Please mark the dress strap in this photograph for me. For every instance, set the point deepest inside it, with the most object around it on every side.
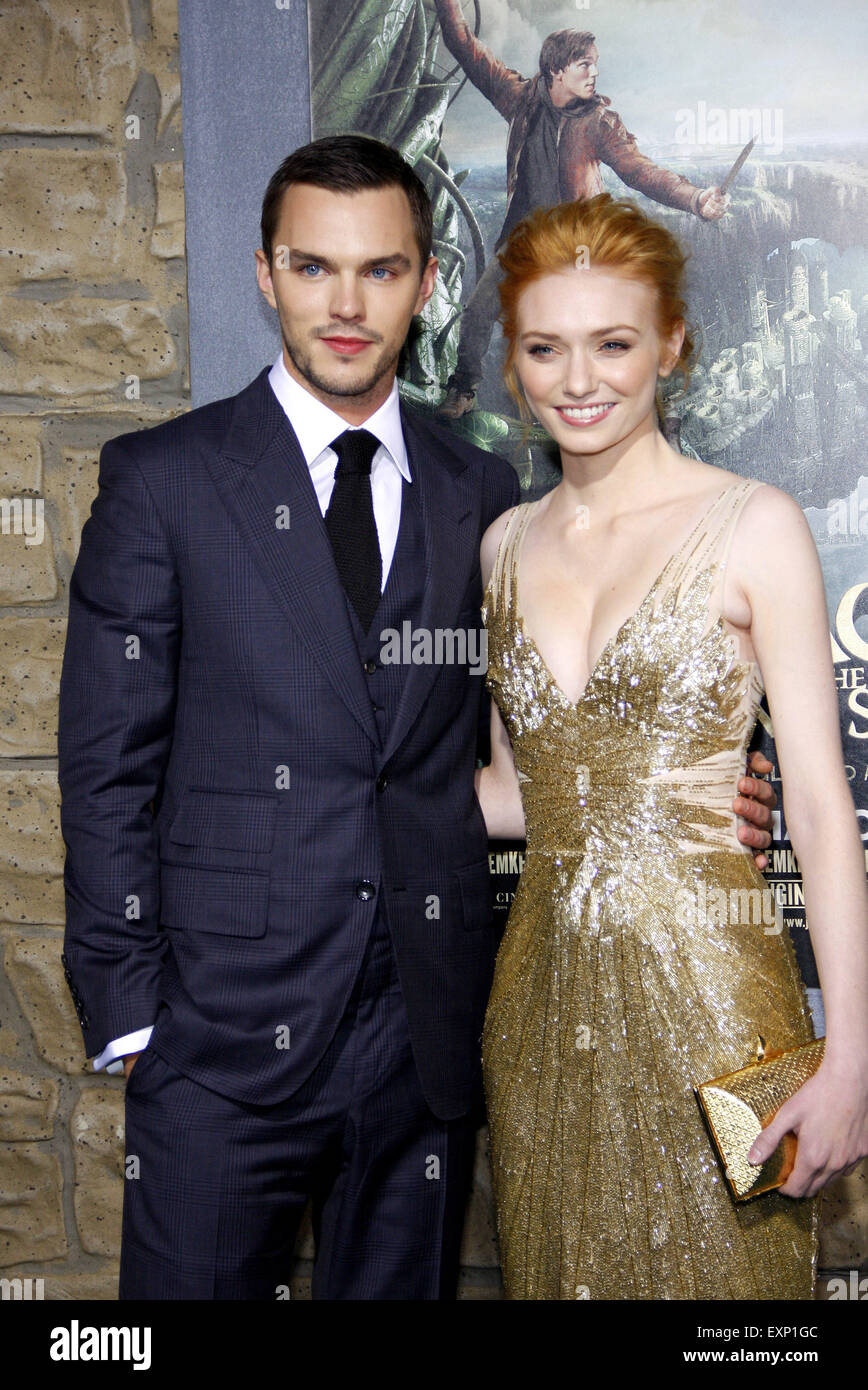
(501, 586)
(709, 544)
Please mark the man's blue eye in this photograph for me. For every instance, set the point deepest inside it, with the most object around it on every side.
(381, 270)
(306, 268)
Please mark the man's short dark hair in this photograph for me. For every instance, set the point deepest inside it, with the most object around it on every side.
(348, 164)
(561, 48)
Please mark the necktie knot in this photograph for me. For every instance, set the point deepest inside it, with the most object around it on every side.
(355, 450)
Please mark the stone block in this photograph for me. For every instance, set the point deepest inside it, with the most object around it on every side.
(28, 1105)
(80, 347)
(35, 973)
(31, 848)
(74, 1288)
(60, 215)
(31, 654)
(31, 1215)
(11, 1043)
(167, 238)
(97, 1130)
(27, 566)
(65, 69)
(162, 59)
(20, 455)
(73, 491)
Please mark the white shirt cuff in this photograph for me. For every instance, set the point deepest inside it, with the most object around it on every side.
(121, 1047)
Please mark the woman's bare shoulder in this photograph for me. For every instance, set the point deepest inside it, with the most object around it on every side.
(770, 506)
(772, 541)
(766, 505)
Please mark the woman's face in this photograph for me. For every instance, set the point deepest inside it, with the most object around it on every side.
(589, 355)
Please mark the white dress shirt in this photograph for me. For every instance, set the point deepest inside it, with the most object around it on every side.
(316, 425)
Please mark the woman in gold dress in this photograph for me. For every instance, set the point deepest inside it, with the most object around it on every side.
(635, 615)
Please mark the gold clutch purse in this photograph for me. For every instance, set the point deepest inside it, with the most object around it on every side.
(737, 1106)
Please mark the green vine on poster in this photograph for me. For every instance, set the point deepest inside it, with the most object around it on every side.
(382, 71)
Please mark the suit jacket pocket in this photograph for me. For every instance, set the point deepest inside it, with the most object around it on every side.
(226, 902)
(136, 1075)
(236, 820)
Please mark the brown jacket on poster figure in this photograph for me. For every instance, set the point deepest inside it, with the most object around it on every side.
(590, 134)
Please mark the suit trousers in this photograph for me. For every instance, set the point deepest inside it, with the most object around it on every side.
(213, 1202)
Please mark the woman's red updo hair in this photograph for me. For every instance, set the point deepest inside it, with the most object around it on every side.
(603, 233)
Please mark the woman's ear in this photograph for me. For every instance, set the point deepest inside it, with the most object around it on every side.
(671, 344)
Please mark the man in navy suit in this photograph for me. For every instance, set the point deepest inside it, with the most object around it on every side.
(277, 887)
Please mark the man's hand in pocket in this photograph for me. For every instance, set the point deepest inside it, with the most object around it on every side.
(129, 1063)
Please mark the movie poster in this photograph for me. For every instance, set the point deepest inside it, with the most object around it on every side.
(672, 94)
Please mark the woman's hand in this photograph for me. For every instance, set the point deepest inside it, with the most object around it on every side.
(829, 1116)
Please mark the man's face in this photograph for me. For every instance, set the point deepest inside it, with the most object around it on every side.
(579, 78)
(345, 280)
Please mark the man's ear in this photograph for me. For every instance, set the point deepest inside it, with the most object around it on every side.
(426, 288)
(263, 277)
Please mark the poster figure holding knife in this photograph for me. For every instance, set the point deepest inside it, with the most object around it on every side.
(560, 131)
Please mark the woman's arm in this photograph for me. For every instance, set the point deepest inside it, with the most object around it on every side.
(776, 565)
(497, 786)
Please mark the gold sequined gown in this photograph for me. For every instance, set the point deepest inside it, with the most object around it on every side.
(620, 982)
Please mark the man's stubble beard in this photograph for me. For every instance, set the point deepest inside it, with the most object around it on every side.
(304, 366)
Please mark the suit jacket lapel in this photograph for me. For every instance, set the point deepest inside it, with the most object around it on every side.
(449, 558)
(262, 476)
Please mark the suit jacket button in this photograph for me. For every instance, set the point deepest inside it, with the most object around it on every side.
(382, 782)
(365, 890)
(370, 667)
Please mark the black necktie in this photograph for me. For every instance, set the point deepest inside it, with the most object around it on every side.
(350, 523)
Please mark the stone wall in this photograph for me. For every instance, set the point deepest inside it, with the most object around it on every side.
(93, 342)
